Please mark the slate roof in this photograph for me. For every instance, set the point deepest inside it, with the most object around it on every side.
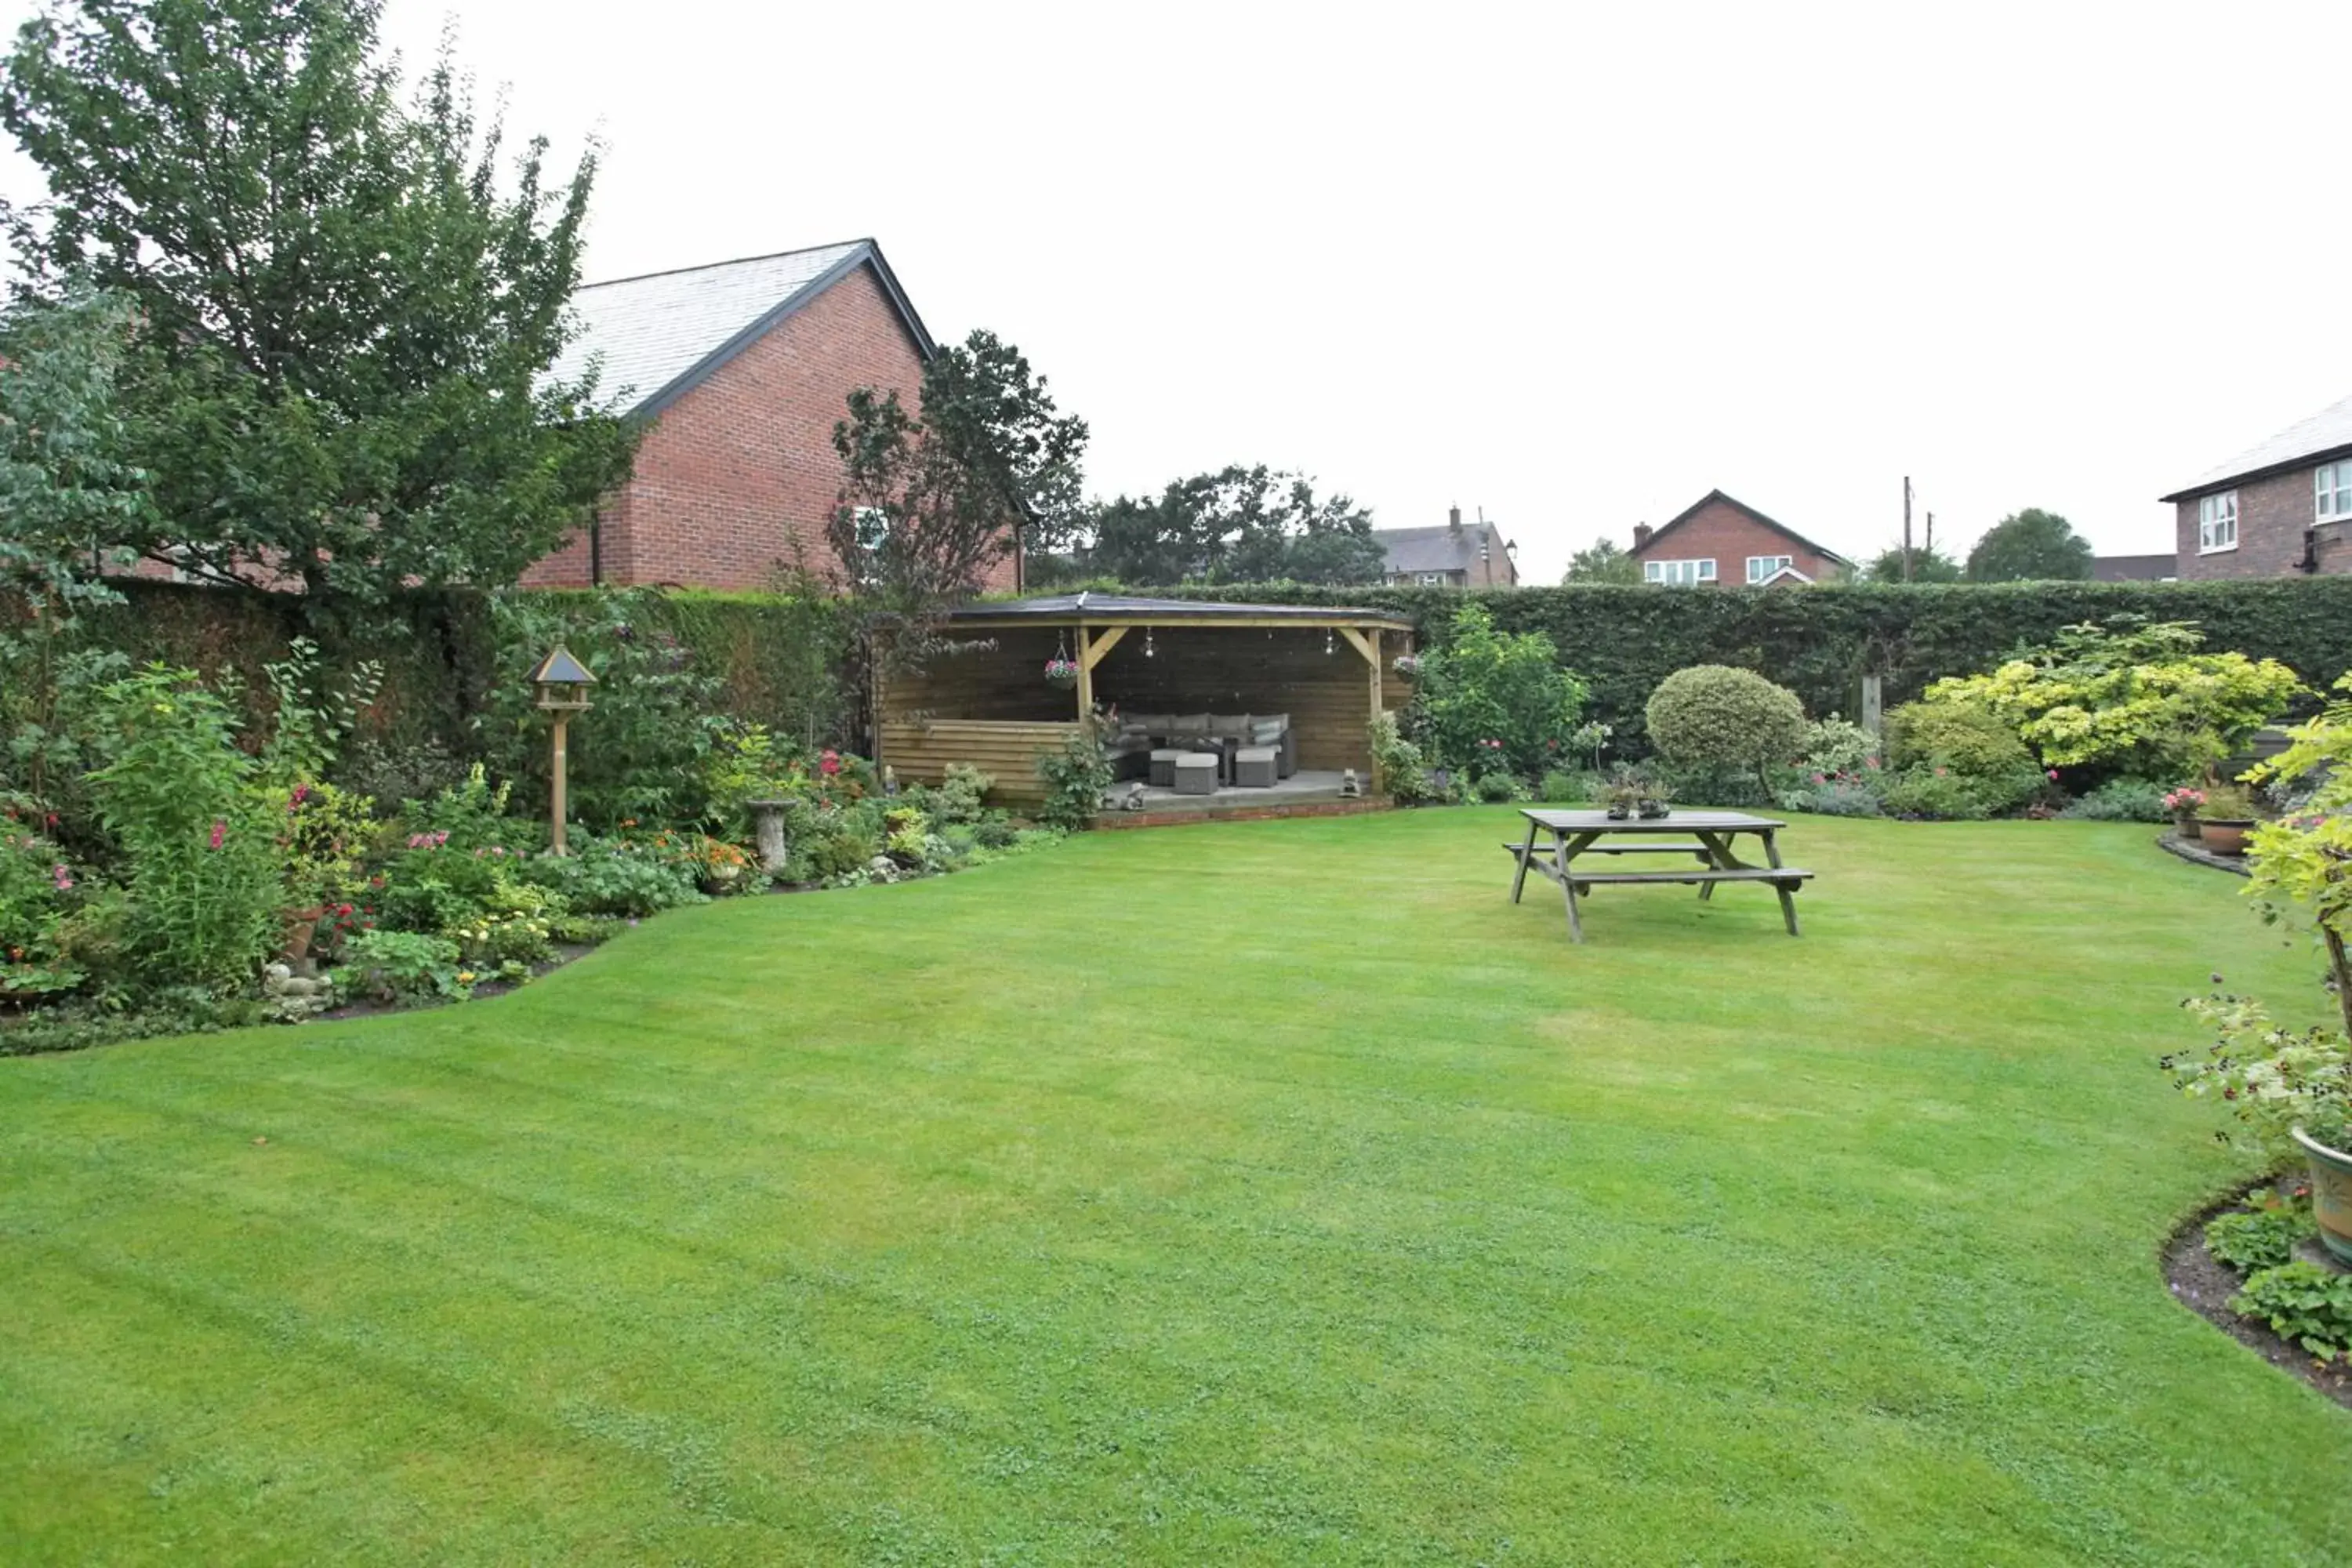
(1445, 548)
(1090, 605)
(2326, 433)
(2133, 568)
(1649, 546)
(660, 335)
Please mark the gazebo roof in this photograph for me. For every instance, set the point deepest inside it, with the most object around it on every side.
(1125, 610)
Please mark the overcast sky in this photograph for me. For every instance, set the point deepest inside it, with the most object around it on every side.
(1572, 265)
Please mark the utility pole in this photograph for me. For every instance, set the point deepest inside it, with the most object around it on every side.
(1906, 528)
(1929, 548)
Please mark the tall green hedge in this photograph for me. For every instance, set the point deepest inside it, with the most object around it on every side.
(780, 658)
(1820, 641)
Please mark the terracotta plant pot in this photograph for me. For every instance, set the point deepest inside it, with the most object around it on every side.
(2226, 837)
(301, 924)
(2331, 1193)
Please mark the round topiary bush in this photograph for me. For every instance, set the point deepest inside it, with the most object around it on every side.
(1712, 715)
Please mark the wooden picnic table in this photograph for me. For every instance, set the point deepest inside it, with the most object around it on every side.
(1706, 837)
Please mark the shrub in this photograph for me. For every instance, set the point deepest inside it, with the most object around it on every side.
(1490, 701)
(961, 794)
(1076, 776)
(1399, 770)
(1837, 794)
(1833, 746)
(2303, 1303)
(402, 967)
(1948, 793)
(2273, 1079)
(2122, 800)
(1964, 736)
(2132, 695)
(1715, 784)
(994, 833)
(198, 840)
(1496, 788)
(614, 877)
(1564, 787)
(1712, 715)
(2251, 1240)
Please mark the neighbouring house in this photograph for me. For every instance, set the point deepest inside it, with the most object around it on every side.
(738, 371)
(1720, 539)
(2282, 507)
(1452, 556)
(2134, 568)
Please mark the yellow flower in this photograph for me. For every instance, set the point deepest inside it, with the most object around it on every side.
(464, 977)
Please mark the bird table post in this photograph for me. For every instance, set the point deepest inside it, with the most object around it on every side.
(562, 682)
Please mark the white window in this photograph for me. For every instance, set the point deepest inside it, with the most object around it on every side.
(1431, 579)
(1760, 567)
(2331, 486)
(1679, 573)
(2217, 522)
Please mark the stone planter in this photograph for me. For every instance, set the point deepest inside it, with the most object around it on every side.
(2184, 823)
(2331, 1194)
(2226, 837)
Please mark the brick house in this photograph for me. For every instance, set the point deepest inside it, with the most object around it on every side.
(738, 371)
(2283, 506)
(1718, 539)
(1454, 556)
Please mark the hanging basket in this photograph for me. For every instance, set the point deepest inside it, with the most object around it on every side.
(1062, 674)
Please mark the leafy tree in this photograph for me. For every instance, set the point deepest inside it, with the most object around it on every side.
(1927, 565)
(1236, 525)
(1603, 562)
(348, 318)
(2031, 546)
(1714, 715)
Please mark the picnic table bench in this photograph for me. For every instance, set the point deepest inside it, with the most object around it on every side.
(1707, 837)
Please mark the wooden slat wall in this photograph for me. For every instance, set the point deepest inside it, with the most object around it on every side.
(1250, 669)
(1006, 681)
(921, 753)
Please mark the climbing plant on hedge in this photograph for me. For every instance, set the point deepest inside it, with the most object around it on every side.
(1712, 715)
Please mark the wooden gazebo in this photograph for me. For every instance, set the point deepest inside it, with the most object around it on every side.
(990, 705)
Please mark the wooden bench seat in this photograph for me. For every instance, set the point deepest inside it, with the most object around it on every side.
(1698, 849)
(1744, 874)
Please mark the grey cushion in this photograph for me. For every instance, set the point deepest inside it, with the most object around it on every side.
(1267, 732)
(1228, 723)
(1188, 724)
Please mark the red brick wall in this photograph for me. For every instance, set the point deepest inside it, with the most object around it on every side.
(731, 476)
(1730, 536)
(2271, 515)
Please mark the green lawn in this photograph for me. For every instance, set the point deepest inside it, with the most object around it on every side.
(1266, 1193)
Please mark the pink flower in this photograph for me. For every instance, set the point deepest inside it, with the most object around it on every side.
(1819, 779)
(62, 876)
(220, 831)
(2054, 773)
(1942, 772)
(829, 763)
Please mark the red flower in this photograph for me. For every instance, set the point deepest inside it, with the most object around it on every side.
(829, 763)
(220, 831)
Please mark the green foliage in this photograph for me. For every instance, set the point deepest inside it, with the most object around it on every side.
(198, 842)
(65, 475)
(2132, 696)
(349, 316)
(1835, 745)
(613, 877)
(1398, 769)
(83, 1023)
(1563, 786)
(2121, 800)
(2307, 1304)
(2032, 545)
(1604, 562)
(1944, 793)
(328, 834)
(1622, 641)
(1076, 776)
(36, 888)
(1927, 565)
(1964, 736)
(2273, 1079)
(403, 968)
(1712, 715)
(1837, 794)
(1494, 789)
(640, 752)
(1238, 524)
(2249, 1240)
(1490, 701)
(962, 793)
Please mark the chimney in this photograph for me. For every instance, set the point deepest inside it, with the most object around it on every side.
(1454, 519)
(1640, 534)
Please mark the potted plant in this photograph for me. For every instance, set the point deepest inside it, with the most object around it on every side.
(1654, 804)
(1628, 788)
(1061, 672)
(2292, 1091)
(2224, 818)
(2184, 803)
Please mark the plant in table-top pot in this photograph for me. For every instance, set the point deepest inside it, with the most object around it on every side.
(2184, 803)
(2225, 818)
(1628, 787)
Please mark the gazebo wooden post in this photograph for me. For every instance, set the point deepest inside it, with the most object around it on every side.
(1085, 675)
(1369, 645)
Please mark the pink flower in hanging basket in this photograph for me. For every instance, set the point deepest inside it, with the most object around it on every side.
(1060, 671)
